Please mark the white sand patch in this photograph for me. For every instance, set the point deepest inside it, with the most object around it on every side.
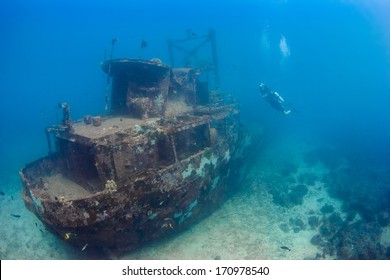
(26, 237)
(248, 226)
(385, 237)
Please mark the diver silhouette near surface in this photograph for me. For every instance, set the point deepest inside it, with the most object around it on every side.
(275, 100)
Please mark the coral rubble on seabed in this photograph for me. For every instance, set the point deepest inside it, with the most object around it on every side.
(270, 213)
(252, 224)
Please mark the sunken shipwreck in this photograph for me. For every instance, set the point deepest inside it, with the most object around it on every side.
(168, 153)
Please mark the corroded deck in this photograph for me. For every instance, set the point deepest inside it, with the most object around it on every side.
(165, 157)
(110, 125)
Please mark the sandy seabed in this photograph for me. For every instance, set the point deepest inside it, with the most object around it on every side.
(248, 226)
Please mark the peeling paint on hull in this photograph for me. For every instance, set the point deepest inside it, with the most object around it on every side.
(133, 179)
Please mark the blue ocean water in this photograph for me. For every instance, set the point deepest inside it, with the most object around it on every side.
(330, 59)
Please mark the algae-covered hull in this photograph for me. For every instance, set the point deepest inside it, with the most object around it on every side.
(167, 156)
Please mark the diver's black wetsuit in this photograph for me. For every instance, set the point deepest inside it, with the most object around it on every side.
(274, 99)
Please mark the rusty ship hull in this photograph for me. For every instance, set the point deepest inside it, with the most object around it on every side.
(168, 156)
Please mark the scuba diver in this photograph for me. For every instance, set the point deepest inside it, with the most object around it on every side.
(274, 99)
